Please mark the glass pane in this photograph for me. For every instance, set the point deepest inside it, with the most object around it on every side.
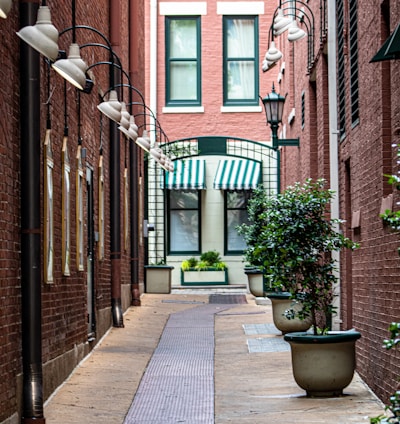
(237, 199)
(235, 218)
(184, 199)
(240, 38)
(183, 39)
(241, 80)
(183, 84)
(184, 231)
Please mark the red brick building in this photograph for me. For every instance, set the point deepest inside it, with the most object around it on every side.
(69, 267)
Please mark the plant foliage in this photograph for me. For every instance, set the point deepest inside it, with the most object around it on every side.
(291, 238)
(208, 260)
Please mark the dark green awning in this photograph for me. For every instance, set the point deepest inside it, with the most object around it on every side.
(390, 48)
(188, 174)
(237, 174)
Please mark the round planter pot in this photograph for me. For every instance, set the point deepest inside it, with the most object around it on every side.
(323, 365)
(256, 282)
(280, 303)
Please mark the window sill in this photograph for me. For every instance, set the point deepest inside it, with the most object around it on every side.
(241, 109)
(183, 109)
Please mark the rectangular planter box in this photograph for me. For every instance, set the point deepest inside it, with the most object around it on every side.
(158, 278)
(204, 278)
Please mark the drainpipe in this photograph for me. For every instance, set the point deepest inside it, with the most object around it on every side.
(333, 142)
(134, 167)
(115, 185)
(31, 311)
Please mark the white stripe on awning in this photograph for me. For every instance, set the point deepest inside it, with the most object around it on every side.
(237, 175)
(188, 174)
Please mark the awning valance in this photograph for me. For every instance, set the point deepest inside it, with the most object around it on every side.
(188, 174)
(238, 174)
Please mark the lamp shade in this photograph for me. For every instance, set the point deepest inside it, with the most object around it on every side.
(124, 122)
(143, 141)
(112, 107)
(133, 129)
(5, 6)
(273, 54)
(73, 69)
(267, 64)
(295, 33)
(273, 105)
(43, 36)
(156, 152)
(281, 23)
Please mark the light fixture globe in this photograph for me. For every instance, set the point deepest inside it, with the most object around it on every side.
(112, 107)
(295, 33)
(5, 7)
(143, 141)
(273, 54)
(73, 69)
(273, 105)
(43, 36)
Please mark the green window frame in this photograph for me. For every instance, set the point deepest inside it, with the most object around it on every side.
(235, 214)
(240, 61)
(183, 61)
(184, 221)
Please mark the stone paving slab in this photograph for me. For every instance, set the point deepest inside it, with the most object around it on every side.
(249, 388)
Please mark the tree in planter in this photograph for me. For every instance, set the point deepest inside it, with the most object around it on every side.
(292, 241)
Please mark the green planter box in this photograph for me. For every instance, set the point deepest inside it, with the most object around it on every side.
(207, 277)
(158, 278)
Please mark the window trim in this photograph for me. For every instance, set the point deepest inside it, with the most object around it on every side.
(240, 102)
(168, 61)
(169, 209)
(226, 250)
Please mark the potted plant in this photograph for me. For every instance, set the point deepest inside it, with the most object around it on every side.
(158, 277)
(265, 261)
(298, 239)
(208, 270)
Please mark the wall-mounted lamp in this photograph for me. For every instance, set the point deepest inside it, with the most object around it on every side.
(285, 19)
(43, 36)
(5, 6)
(111, 107)
(73, 69)
(273, 105)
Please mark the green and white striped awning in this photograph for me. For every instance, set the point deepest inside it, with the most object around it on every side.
(238, 174)
(188, 174)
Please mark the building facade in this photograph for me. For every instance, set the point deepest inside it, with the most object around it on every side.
(70, 242)
(342, 107)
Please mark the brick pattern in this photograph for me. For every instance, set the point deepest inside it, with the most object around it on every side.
(64, 303)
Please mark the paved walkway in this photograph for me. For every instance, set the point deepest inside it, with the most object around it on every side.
(190, 357)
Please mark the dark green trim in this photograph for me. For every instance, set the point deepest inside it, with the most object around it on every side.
(279, 295)
(333, 337)
(254, 59)
(169, 61)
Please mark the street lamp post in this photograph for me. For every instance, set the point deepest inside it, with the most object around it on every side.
(273, 105)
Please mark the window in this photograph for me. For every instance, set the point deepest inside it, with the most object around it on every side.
(341, 69)
(236, 214)
(183, 61)
(240, 68)
(184, 221)
(353, 44)
(303, 109)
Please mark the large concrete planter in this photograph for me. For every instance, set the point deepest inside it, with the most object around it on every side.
(323, 365)
(280, 303)
(255, 280)
(158, 278)
(205, 277)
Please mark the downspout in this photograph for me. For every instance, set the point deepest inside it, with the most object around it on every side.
(134, 167)
(333, 143)
(153, 56)
(31, 309)
(115, 183)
